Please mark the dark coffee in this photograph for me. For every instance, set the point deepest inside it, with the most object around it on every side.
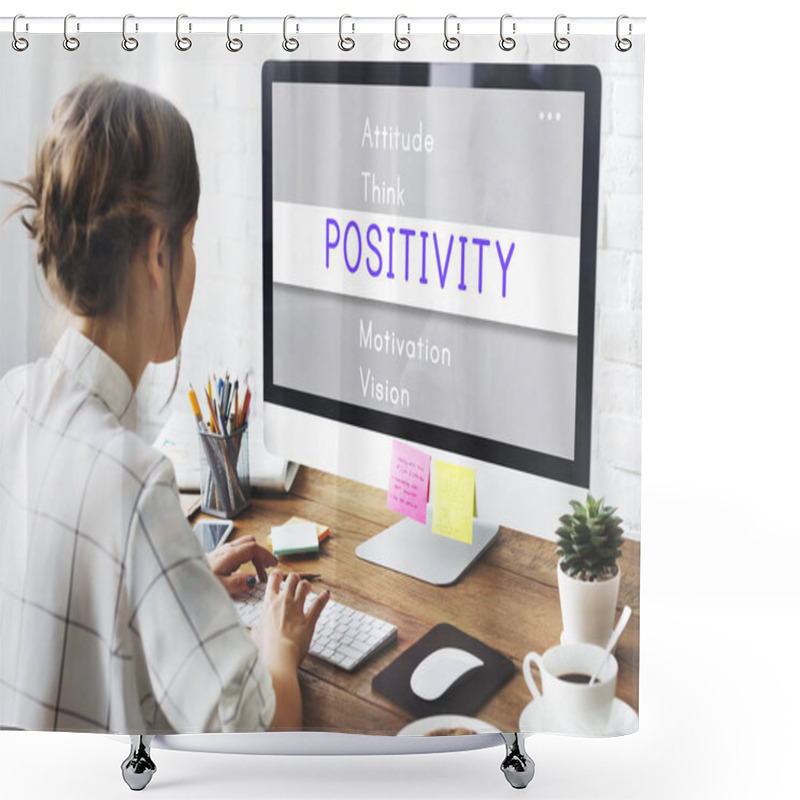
(575, 677)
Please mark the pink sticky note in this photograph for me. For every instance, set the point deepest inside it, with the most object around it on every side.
(409, 478)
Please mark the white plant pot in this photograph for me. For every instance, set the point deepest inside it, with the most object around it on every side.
(587, 607)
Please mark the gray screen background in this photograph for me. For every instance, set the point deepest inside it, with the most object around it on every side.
(522, 172)
(506, 383)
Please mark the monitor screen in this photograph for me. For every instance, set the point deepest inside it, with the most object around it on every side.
(429, 254)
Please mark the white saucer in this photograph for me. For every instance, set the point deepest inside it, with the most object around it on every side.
(622, 721)
(422, 727)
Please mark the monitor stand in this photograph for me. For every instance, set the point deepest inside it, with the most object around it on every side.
(414, 549)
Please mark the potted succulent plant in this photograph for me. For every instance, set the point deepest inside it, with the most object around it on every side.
(589, 542)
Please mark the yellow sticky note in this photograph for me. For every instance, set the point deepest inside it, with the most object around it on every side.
(453, 501)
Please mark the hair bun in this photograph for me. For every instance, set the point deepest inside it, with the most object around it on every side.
(117, 160)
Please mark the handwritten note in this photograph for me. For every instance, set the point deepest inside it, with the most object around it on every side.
(453, 501)
(409, 478)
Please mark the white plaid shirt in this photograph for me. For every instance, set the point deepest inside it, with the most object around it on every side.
(110, 618)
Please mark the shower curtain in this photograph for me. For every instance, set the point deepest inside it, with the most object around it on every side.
(422, 246)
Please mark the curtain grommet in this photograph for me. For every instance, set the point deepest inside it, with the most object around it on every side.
(183, 43)
(129, 43)
(233, 44)
(561, 43)
(451, 43)
(19, 43)
(401, 43)
(507, 43)
(289, 44)
(346, 43)
(623, 44)
(71, 43)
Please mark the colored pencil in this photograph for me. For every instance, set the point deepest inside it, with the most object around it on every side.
(246, 406)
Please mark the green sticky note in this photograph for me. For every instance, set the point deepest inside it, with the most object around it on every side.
(453, 501)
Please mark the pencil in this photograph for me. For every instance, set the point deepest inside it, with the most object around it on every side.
(220, 418)
(246, 406)
(223, 406)
(210, 408)
(196, 408)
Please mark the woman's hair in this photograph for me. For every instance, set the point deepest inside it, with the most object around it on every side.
(117, 161)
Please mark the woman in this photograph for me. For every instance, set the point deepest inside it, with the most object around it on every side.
(111, 616)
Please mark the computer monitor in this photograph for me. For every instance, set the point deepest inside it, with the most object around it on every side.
(430, 235)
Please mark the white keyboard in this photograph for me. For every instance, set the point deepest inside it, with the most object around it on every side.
(343, 637)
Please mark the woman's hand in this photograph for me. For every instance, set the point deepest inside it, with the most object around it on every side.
(282, 636)
(285, 630)
(227, 558)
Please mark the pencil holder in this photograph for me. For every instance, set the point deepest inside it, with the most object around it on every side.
(225, 473)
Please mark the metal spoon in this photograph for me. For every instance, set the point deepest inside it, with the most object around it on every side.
(623, 621)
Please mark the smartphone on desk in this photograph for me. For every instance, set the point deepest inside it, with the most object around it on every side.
(211, 533)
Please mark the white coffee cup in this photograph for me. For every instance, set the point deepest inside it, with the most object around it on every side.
(573, 707)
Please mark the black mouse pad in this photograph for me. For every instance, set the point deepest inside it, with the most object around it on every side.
(466, 696)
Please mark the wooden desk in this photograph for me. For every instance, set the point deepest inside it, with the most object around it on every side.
(509, 600)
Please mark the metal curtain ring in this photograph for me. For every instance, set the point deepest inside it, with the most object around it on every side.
(507, 42)
(623, 45)
(233, 44)
(71, 43)
(401, 42)
(346, 43)
(290, 44)
(561, 43)
(18, 42)
(451, 42)
(183, 43)
(129, 43)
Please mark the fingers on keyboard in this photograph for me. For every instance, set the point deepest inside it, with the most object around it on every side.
(343, 636)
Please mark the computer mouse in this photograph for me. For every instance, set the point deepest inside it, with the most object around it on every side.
(437, 672)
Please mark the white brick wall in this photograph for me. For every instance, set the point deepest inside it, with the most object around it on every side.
(617, 427)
